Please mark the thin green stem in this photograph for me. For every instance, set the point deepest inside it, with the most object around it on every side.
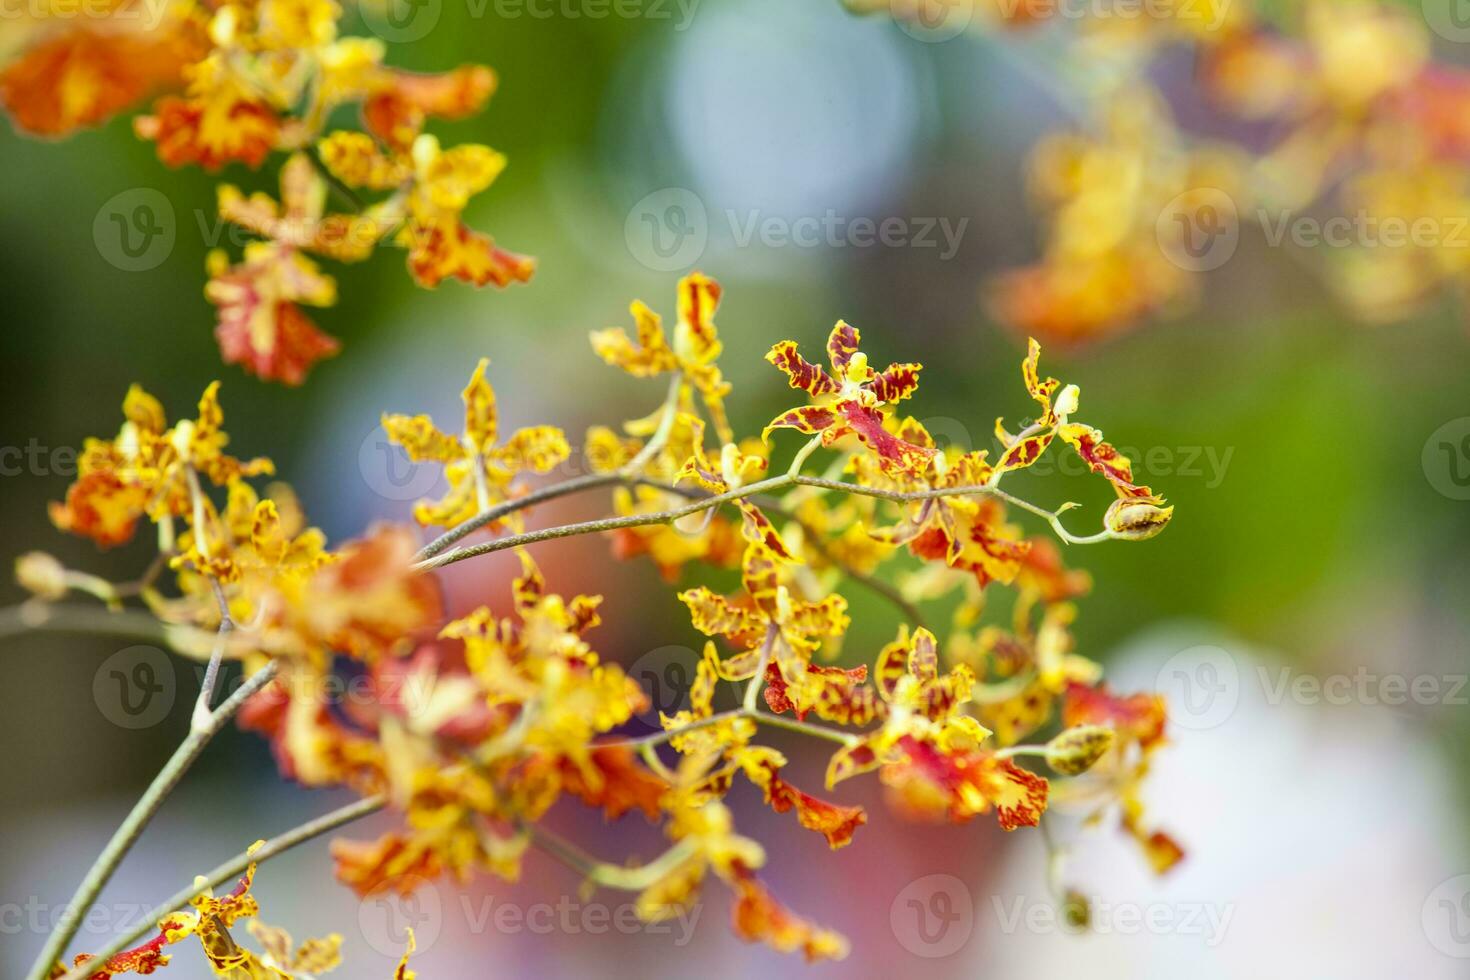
(229, 870)
(598, 526)
(348, 195)
(649, 753)
(1015, 750)
(804, 728)
(37, 616)
(660, 437)
(759, 717)
(137, 819)
(998, 691)
(659, 738)
(607, 875)
(563, 489)
(812, 445)
(761, 487)
(753, 689)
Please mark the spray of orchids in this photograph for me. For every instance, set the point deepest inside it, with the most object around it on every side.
(478, 725)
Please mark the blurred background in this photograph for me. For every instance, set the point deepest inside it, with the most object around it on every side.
(1320, 530)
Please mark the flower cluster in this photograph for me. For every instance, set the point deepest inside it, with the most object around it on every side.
(1335, 108)
(237, 81)
(475, 725)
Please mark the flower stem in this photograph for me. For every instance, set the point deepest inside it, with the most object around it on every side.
(233, 868)
(764, 486)
(606, 875)
(37, 616)
(137, 819)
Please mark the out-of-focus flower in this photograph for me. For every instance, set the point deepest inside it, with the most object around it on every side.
(148, 469)
(692, 354)
(479, 468)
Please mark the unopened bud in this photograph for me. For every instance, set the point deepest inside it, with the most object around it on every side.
(1137, 518)
(1076, 910)
(1076, 750)
(41, 574)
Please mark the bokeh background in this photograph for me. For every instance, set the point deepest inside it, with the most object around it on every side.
(1321, 530)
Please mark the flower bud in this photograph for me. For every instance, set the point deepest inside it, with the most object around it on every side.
(41, 574)
(1137, 518)
(1076, 910)
(1075, 750)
